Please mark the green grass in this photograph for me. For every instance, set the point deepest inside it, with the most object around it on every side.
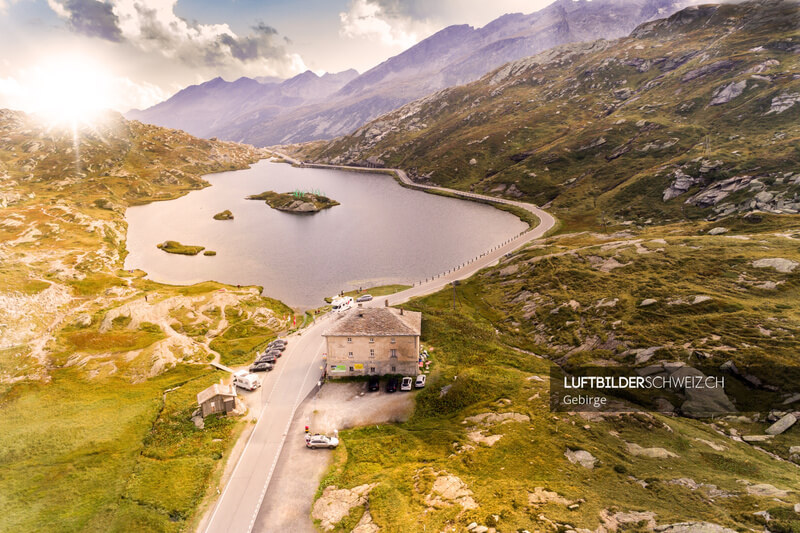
(174, 247)
(239, 343)
(106, 455)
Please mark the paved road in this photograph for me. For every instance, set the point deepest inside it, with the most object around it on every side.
(298, 371)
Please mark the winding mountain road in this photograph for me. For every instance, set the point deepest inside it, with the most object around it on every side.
(299, 370)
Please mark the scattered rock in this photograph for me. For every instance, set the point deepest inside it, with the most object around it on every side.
(693, 527)
(335, 504)
(473, 161)
(781, 425)
(765, 489)
(448, 490)
(726, 93)
(541, 496)
(488, 419)
(479, 437)
(778, 263)
(581, 457)
(783, 102)
(648, 301)
(717, 231)
(756, 438)
(366, 525)
(653, 453)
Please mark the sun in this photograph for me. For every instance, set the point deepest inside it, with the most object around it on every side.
(69, 90)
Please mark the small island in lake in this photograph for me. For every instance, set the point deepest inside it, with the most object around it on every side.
(224, 215)
(295, 202)
(174, 247)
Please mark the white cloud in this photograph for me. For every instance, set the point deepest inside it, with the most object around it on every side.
(365, 18)
(153, 27)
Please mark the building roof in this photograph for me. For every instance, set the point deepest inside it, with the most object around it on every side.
(375, 322)
(216, 389)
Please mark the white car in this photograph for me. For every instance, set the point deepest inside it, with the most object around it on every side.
(406, 384)
(321, 441)
(420, 381)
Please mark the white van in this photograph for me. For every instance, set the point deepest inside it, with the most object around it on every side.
(341, 304)
(245, 380)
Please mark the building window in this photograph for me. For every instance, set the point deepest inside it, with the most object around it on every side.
(372, 370)
(352, 369)
(372, 353)
(349, 339)
(394, 369)
(350, 355)
(372, 339)
(393, 353)
(392, 340)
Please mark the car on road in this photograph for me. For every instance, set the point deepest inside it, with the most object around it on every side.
(391, 385)
(420, 381)
(374, 383)
(407, 384)
(364, 298)
(272, 351)
(321, 441)
(278, 344)
(262, 367)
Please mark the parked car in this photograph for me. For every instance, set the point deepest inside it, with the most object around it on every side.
(374, 383)
(273, 351)
(261, 367)
(391, 385)
(420, 381)
(266, 358)
(407, 384)
(245, 380)
(321, 441)
(278, 344)
(364, 298)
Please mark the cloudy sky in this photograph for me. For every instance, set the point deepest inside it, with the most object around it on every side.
(134, 53)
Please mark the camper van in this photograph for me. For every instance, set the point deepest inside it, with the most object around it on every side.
(245, 380)
(340, 304)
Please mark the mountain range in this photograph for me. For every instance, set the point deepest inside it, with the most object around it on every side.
(693, 115)
(309, 107)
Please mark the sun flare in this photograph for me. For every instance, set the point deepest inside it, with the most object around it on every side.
(69, 90)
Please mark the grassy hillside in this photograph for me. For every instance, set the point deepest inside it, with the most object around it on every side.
(692, 116)
(671, 159)
(100, 367)
(485, 418)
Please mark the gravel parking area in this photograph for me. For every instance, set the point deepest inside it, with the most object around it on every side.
(287, 504)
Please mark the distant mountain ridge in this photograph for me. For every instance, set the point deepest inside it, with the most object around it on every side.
(694, 115)
(205, 108)
(453, 56)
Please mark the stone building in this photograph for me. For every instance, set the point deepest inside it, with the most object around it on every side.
(374, 340)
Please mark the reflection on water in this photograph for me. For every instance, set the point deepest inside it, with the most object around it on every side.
(381, 233)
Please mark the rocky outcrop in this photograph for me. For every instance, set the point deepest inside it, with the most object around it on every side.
(681, 184)
(581, 457)
(784, 423)
(778, 263)
(710, 68)
(335, 504)
(783, 102)
(728, 92)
